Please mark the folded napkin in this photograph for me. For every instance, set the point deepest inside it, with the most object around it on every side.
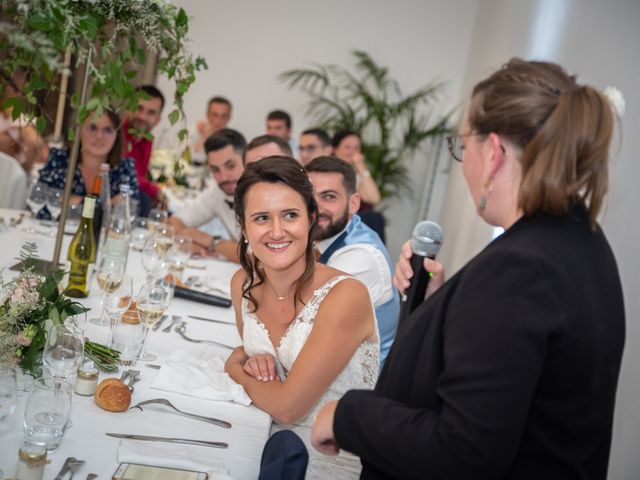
(213, 285)
(173, 455)
(200, 374)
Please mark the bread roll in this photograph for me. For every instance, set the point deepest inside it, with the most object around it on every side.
(113, 395)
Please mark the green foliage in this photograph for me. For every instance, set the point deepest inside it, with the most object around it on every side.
(369, 101)
(30, 306)
(41, 31)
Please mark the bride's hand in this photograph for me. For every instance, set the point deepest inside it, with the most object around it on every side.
(261, 367)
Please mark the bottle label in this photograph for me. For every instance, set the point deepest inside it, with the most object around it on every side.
(89, 206)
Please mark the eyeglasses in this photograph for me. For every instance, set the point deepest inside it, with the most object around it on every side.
(456, 149)
(93, 129)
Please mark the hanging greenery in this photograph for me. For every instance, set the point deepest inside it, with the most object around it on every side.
(368, 100)
(38, 33)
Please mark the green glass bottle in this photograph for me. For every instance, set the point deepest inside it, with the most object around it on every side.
(82, 253)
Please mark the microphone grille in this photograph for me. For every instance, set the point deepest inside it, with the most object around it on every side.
(426, 239)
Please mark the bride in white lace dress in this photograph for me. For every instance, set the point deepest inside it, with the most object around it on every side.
(309, 331)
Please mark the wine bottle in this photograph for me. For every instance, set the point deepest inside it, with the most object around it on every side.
(82, 253)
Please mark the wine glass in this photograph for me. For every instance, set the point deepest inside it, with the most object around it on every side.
(164, 235)
(36, 200)
(139, 233)
(151, 304)
(116, 303)
(63, 351)
(158, 215)
(110, 273)
(154, 264)
(54, 202)
(128, 337)
(8, 390)
(180, 254)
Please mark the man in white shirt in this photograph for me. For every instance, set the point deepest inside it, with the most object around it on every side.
(225, 150)
(347, 244)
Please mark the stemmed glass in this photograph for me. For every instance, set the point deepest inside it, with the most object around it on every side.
(180, 254)
(158, 215)
(54, 202)
(36, 200)
(154, 263)
(151, 304)
(119, 301)
(110, 273)
(139, 233)
(164, 235)
(63, 351)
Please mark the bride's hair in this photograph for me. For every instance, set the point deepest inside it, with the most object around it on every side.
(275, 169)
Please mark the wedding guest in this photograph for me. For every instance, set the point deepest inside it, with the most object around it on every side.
(100, 142)
(509, 370)
(347, 146)
(308, 330)
(137, 144)
(314, 142)
(266, 146)
(279, 125)
(218, 117)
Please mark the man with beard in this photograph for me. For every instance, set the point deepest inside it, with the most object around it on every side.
(347, 244)
(224, 150)
(138, 146)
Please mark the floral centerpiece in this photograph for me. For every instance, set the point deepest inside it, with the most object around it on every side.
(31, 304)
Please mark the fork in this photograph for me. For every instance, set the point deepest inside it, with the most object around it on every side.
(74, 467)
(174, 320)
(182, 328)
(164, 401)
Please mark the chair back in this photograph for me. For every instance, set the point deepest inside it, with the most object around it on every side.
(13, 183)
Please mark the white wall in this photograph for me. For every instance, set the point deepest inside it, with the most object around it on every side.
(248, 43)
(599, 42)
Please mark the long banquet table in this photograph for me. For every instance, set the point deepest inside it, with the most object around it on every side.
(86, 438)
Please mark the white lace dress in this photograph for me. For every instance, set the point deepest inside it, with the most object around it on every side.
(360, 373)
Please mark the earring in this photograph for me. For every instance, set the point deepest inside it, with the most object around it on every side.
(487, 189)
(244, 239)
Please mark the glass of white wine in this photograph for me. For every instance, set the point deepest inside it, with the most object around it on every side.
(180, 254)
(151, 304)
(119, 301)
(110, 273)
(164, 235)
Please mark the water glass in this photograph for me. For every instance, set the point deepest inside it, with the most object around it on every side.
(128, 337)
(63, 351)
(54, 202)
(47, 412)
(8, 391)
(158, 215)
(180, 254)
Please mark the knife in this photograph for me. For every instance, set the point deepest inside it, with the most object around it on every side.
(157, 325)
(210, 320)
(185, 441)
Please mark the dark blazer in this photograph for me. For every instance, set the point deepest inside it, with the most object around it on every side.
(508, 371)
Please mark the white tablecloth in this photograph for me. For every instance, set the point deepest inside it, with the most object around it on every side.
(86, 438)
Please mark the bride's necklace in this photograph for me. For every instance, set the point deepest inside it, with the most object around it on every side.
(279, 297)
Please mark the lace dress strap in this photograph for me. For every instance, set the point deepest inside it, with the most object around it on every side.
(321, 292)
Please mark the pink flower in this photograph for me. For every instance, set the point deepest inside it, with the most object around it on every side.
(22, 340)
(17, 295)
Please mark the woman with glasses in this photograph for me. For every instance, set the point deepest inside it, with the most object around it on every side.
(509, 369)
(100, 142)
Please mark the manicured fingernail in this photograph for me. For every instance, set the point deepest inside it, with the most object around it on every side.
(259, 378)
(271, 377)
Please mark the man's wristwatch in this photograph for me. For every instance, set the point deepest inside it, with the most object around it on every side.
(215, 241)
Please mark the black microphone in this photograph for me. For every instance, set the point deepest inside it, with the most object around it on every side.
(425, 242)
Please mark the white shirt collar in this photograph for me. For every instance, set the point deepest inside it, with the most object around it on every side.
(322, 245)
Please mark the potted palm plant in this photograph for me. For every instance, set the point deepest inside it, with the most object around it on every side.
(368, 100)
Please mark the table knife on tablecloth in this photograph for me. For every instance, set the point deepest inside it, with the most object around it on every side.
(185, 441)
(195, 317)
